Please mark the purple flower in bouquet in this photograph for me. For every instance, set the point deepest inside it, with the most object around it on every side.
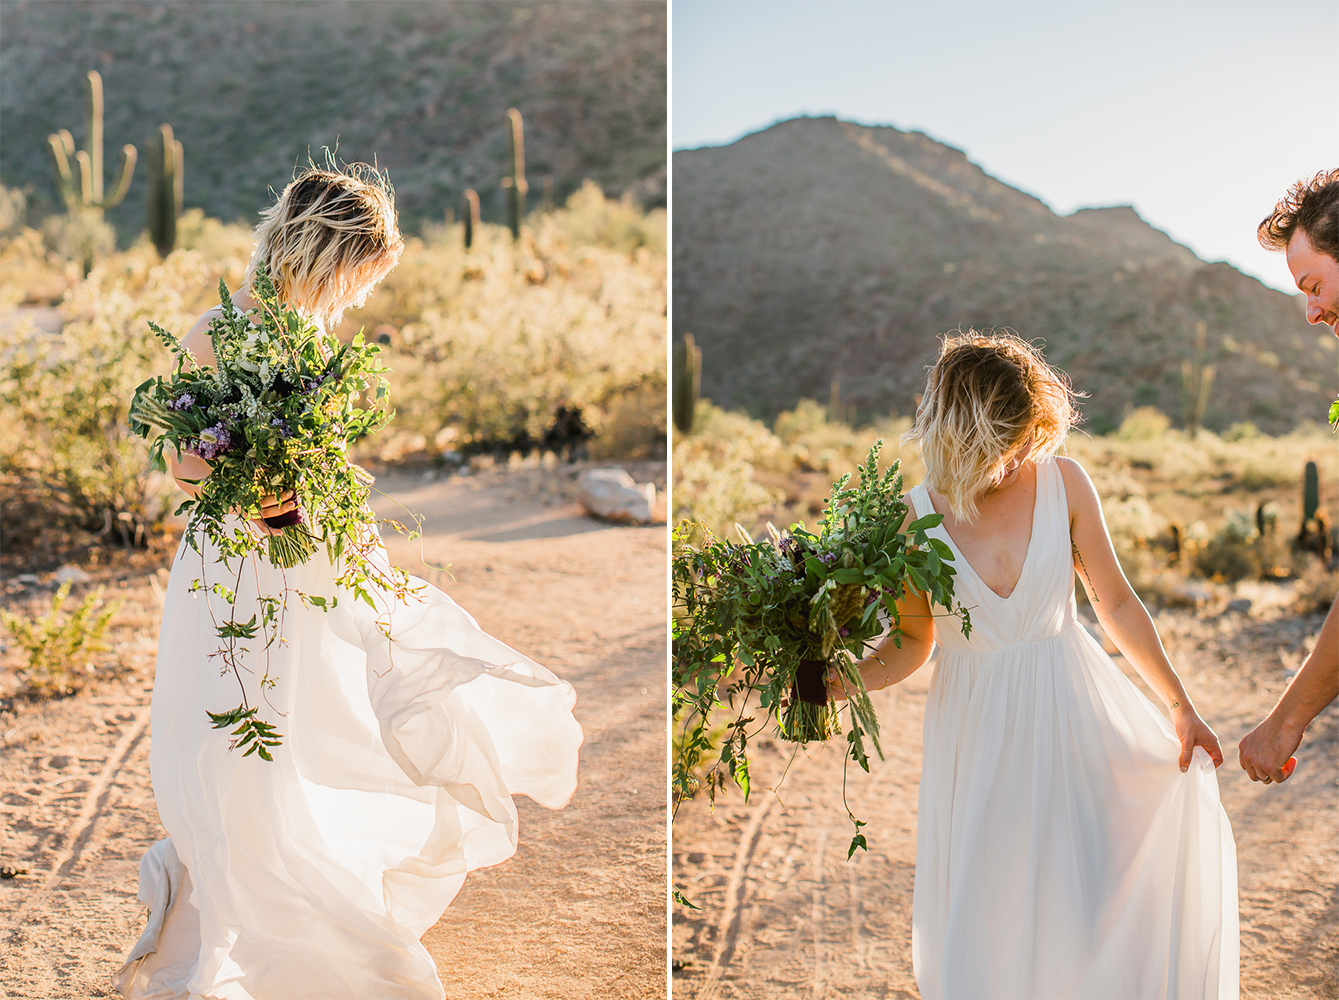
(283, 427)
(316, 383)
(183, 402)
(827, 558)
(212, 442)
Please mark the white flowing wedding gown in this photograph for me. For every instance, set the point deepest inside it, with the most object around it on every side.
(314, 875)
(1060, 851)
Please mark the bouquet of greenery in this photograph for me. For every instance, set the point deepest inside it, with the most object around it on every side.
(791, 611)
(274, 413)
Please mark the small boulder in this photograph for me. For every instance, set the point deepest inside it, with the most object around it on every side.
(70, 573)
(613, 495)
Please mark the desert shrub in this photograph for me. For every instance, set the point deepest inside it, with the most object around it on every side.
(1147, 423)
(714, 470)
(82, 236)
(65, 441)
(815, 442)
(717, 430)
(1242, 431)
(1237, 551)
(1260, 476)
(591, 219)
(718, 490)
(715, 467)
(635, 425)
(61, 649)
(13, 210)
(1131, 521)
(225, 247)
(494, 342)
(29, 272)
(1317, 587)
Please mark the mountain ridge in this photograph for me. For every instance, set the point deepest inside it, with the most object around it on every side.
(819, 249)
(252, 89)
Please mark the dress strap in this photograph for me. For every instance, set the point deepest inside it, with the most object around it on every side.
(918, 498)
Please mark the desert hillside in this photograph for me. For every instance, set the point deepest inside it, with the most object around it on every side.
(423, 88)
(821, 250)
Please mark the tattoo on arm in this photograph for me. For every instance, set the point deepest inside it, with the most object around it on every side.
(1088, 580)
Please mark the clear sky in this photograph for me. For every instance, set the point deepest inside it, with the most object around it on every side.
(1199, 113)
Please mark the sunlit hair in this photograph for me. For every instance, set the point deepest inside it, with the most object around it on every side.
(987, 396)
(329, 239)
(1311, 206)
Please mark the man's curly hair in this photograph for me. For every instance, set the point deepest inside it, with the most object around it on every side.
(1311, 206)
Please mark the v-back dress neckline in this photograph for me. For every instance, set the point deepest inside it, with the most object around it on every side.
(962, 560)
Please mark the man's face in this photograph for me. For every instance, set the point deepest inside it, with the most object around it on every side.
(1317, 275)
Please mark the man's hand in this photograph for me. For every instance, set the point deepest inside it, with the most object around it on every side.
(1266, 750)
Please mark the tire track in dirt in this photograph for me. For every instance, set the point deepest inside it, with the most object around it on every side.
(812, 923)
(94, 808)
(734, 897)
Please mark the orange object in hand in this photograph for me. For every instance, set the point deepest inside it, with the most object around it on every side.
(1288, 767)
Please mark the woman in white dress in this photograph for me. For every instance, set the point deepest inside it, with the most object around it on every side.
(1070, 841)
(315, 874)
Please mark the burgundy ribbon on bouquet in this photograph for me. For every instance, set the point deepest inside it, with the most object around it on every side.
(286, 520)
(809, 683)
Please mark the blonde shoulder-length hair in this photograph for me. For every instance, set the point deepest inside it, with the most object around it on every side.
(329, 239)
(987, 397)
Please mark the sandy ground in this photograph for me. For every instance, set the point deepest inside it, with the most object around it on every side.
(784, 914)
(578, 912)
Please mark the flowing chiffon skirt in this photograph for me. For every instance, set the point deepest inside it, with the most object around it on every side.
(1061, 852)
(314, 875)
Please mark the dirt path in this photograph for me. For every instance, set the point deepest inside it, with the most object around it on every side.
(579, 911)
(784, 914)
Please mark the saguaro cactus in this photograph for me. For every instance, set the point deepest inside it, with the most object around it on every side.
(1310, 492)
(469, 213)
(162, 204)
(687, 383)
(1197, 379)
(515, 184)
(87, 193)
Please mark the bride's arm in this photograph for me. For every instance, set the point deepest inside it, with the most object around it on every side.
(190, 471)
(888, 663)
(1123, 615)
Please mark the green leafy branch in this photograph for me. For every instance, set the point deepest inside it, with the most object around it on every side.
(251, 732)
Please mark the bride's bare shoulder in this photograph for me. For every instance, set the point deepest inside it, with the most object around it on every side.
(1080, 492)
(197, 338)
(1074, 474)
